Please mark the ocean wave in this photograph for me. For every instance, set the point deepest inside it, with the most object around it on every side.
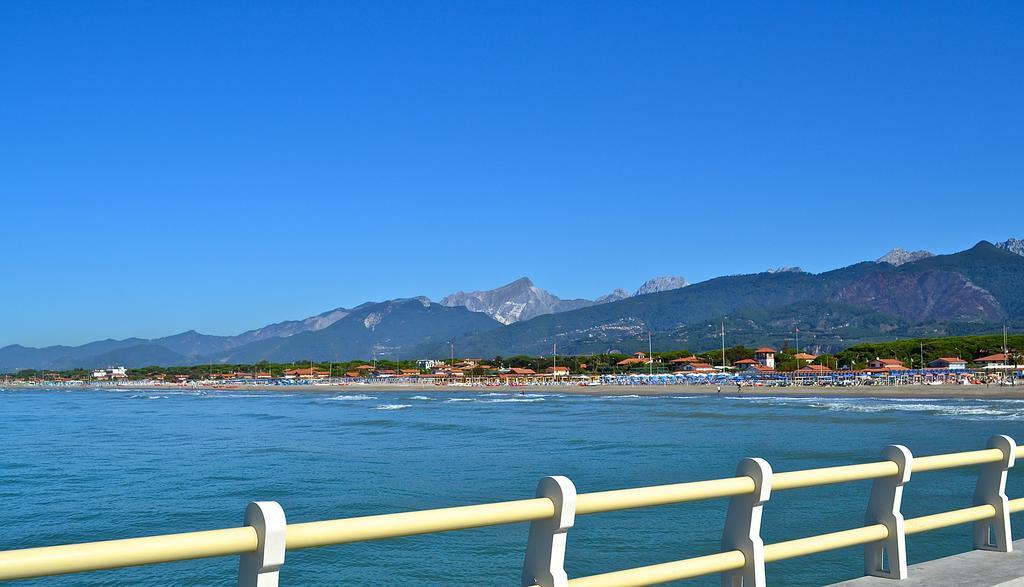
(421, 397)
(351, 398)
(620, 396)
(459, 399)
(392, 406)
(514, 400)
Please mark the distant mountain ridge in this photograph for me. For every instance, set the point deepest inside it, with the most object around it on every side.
(898, 256)
(658, 284)
(901, 294)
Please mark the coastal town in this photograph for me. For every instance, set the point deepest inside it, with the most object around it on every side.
(764, 366)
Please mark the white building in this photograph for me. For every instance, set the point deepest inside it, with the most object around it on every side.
(110, 373)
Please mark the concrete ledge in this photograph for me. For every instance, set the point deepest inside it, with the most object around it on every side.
(977, 568)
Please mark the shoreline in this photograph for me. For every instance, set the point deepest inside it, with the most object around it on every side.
(873, 391)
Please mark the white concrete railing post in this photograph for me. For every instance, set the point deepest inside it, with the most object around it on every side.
(261, 568)
(743, 525)
(888, 558)
(994, 533)
(544, 564)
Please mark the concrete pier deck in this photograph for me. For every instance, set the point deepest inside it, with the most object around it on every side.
(978, 568)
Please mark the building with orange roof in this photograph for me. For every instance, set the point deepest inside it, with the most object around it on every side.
(954, 363)
(765, 356)
(996, 361)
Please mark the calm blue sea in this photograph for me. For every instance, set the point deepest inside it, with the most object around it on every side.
(94, 464)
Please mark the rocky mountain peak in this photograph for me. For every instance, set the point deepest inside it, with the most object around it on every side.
(900, 256)
(664, 283)
(513, 302)
(785, 269)
(615, 295)
(1014, 245)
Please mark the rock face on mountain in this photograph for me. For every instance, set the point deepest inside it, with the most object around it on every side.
(615, 295)
(918, 297)
(1014, 245)
(784, 269)
(665, 283)
(898, 256)
(515, 302)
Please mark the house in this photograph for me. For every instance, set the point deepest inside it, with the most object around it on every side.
(698, 368)
(887, 364)
(424, 364)
(110, 373)
(765, 356)
(310, 373)
(952, 363)
(807, 358)
(681, 360)
(264, 375)
(996, 361)
(636, 359)
(521, 371)
(813, 370)
(747, 365)
(557, 370)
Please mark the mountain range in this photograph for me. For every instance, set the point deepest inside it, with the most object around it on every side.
(900, 294)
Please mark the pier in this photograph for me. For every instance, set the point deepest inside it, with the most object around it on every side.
(979, 568)
(263, 541)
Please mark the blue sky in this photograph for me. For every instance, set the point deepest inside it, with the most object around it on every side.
(223, 165)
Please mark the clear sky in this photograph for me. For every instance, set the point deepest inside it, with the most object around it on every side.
(223, 165)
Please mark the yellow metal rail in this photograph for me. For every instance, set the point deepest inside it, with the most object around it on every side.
(111, 554)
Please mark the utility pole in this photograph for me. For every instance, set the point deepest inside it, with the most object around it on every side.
(723, 345)
(650, 353)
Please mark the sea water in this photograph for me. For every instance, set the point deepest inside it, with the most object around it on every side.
(85, 465)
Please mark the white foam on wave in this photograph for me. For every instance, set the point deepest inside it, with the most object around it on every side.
(620, 396)
(393, 406)
(514, 400)
(459, 399)
(421, 398)
(351, 398)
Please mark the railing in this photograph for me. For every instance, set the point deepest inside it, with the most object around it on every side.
(263, 540)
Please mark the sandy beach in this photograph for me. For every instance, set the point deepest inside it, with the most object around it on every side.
(868, 391)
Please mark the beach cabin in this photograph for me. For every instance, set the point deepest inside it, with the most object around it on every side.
(952, 363)
(765, 356)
